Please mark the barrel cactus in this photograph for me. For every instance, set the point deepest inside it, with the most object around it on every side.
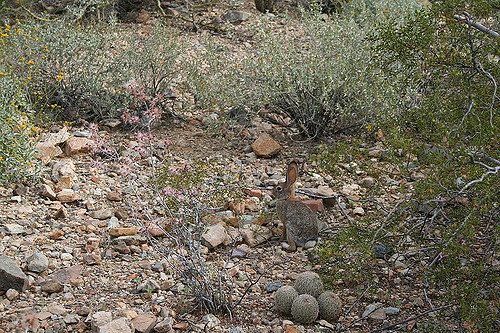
(309, 283)
(305, 309)
(284, 298)
(330, 306)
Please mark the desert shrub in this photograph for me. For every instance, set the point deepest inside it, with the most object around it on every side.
(17, 132)
(453, 129)
(92, 73)
(323, 80)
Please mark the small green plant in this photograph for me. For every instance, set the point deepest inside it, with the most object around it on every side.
(17, 132)
(309, 283)
(284, 298)
(330, 306)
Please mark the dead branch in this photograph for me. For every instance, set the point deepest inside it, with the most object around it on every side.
(467, 19)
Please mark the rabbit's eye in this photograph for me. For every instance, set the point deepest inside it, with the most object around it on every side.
(279, 188)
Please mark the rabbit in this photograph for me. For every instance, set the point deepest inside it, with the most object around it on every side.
(299, 221)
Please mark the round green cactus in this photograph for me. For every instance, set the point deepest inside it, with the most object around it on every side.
(309, 283)
(330, 306)
(305, 309)
(284, 298)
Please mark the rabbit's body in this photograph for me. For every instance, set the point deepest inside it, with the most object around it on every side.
(299, 221)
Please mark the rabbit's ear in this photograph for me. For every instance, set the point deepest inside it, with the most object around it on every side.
(292, 173)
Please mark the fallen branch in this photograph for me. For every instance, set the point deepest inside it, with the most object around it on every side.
(466, 18)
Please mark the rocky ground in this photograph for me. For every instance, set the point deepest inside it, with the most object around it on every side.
(75, 250)
(80, 250)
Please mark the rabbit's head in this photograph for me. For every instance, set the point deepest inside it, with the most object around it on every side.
(285, 190)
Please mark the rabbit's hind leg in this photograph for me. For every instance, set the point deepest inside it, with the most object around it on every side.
(291, 243)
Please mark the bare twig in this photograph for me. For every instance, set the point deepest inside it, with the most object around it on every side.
(467, 19)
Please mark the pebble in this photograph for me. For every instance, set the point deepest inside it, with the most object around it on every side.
(273, 286)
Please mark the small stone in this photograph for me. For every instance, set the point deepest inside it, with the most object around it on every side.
(51, 287)
(117, 232)
(164, 326)
(144, 323)
(57, 309)
(12, 294)
(371, 308)
(46, 151)
(114, 196)
(265, 146)
(56, 234)
(121, 214)
(77, 145)
(68, 275)
(100, 318)
(310, 244)
(71, 319)
(391, 310)
(316, 205)
(91, 259)
(120, 325)
(240, 251)
(358, 211)
(62, 168)
(66, 256)
(273, 286)
(14, 229)
(148, 286)
(214, 236)
(210, 321)
(67, 195)
(236, 16)
(65, 182)
(38, 262)
(47, 192)
(378, 314)
(11, 276)
(102, 214)
(254, 234)
(61, 213)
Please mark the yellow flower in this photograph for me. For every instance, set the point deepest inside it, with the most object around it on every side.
(3, 74)
(1, 158)
(46, 48)
(60, 75)
(30, 62)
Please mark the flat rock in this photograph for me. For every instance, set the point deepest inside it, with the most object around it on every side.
(164, 326)
(52, 286)
(46, 151)
(61, 168)
(67, 195)
(77, 145)
(102, 214)
(316, 205)
(14, 229)
(12, 294)
(236, 16)
(100, 318)
(38, 262)
(114, 196)
(370, 308)
(119, 325)
(214, 236)
(117, 232)
(265, 146)
(11, 276)
(67, 275)
(47, 192)
(144, 323)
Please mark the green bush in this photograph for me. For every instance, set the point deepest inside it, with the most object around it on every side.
(80, 72)
(17, 132)
(323, 80)
(453, 128)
